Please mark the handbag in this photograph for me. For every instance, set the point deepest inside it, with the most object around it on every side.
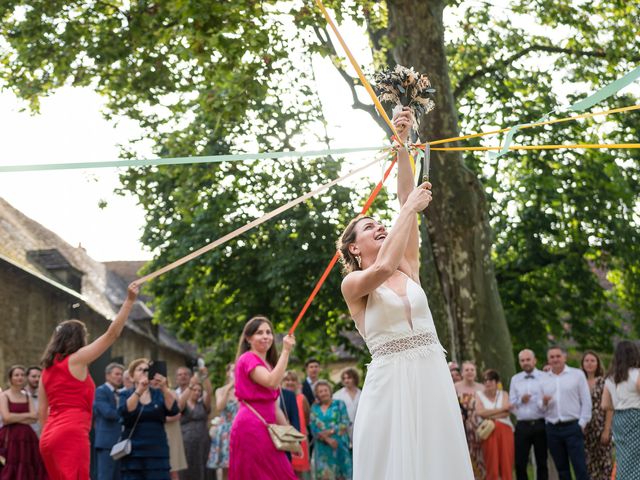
(123, 447)
(487, 426)
(284, 437)
(485, 429)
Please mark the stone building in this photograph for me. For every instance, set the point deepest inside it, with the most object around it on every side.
(44, 280)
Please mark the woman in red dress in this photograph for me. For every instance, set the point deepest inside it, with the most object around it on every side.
(66, 393)
(18, 441)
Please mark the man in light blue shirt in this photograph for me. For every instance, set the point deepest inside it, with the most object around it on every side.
(566, 401)
(526, 399)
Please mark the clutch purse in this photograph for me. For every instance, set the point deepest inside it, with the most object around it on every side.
(284, 437)
(485, 429)
(121, 449)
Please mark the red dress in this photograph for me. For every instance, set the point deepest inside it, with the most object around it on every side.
(64, 443)
(23, 458)
(301, 463)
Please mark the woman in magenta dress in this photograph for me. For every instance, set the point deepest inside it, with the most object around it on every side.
(258, 375)
(66, 393)
(18, 441)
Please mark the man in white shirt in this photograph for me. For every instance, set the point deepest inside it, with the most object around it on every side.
(525, 396)
(566, 401)
(183, 375)
(33, 381)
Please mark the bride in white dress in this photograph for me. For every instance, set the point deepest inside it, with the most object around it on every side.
(408, 425)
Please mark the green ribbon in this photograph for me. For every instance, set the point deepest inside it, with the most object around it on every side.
(183, 160)
(600, 95)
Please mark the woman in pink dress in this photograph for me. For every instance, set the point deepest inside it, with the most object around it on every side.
(258, 375)
(66, 393)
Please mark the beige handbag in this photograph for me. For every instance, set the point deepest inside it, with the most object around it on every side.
(284, 437)
(485, 429)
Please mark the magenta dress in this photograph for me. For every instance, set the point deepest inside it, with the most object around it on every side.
(252, 454)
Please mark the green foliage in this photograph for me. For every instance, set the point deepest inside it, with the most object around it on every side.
(206, 77)
(566, 221)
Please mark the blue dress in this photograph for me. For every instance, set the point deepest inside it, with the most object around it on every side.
(219, 451)
(149, 457)
(332, 464)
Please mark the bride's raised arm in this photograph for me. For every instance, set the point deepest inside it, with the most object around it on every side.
(403, 121)
(378, 262)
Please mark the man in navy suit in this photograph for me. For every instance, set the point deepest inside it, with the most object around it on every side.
(312, 368)
(107, 422)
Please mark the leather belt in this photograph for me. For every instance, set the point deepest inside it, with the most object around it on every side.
(563, 424)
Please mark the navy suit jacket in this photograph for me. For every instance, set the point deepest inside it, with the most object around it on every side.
(308, 392)
(106, 419)
(289, 405)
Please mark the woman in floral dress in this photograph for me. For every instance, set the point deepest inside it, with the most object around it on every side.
(227, 405)
(330, 428)
(466, 390)
(597, 433)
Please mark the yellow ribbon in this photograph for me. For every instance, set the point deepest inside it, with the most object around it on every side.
(547, 122)
(541, 147)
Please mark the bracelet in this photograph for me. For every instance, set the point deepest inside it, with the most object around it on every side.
(136, 393)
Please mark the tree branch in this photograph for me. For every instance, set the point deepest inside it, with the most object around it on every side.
(500, 64)
(351, 83)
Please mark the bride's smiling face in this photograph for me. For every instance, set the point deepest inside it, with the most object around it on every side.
(369, 237)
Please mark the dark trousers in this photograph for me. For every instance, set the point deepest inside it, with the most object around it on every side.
(566, 443)
(528, 433)
(106, 467)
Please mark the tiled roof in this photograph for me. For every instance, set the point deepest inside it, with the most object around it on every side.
(103, 288)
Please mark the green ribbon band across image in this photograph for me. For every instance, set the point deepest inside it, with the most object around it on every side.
(182, 160)
(598, 96)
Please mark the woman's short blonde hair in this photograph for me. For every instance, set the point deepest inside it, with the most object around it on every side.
(134, 364)
(290, 374)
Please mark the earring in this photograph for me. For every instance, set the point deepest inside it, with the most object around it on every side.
(359, 260)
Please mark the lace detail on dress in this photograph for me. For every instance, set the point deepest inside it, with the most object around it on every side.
(405, 344)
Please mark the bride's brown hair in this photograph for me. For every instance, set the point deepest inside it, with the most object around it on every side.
(348, 259)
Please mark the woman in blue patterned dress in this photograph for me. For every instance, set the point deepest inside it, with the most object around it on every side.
(622, 395)
(227, 406)
(330, 428)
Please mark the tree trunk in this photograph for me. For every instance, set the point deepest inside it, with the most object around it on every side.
(458, 272)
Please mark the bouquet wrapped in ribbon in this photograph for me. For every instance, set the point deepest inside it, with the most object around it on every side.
(404, 87)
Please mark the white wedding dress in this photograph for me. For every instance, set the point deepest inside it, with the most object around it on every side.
(408, 425)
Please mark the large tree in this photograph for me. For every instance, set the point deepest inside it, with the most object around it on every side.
(210, 77)
(563, 220)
